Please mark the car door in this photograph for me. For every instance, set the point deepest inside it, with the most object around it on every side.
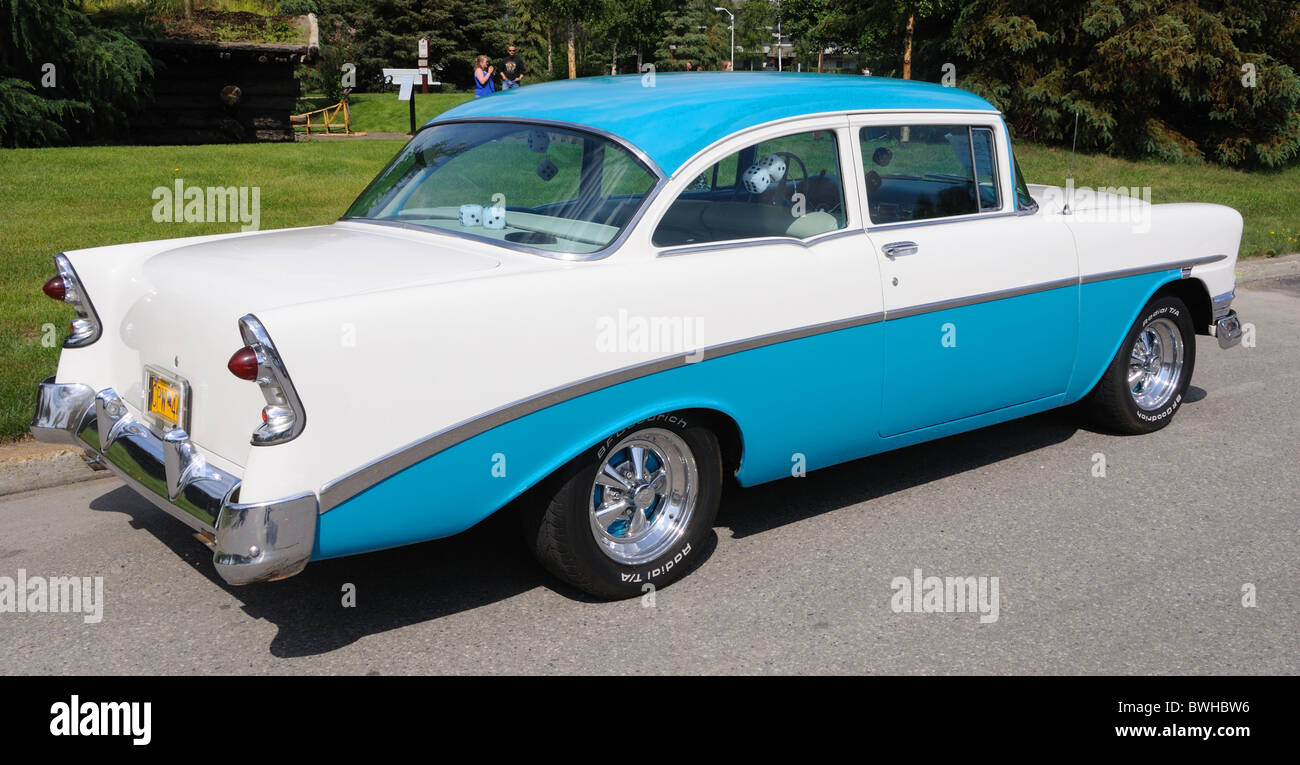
(980, 292)
(772, 218)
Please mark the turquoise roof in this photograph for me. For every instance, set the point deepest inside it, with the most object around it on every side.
(686, 111)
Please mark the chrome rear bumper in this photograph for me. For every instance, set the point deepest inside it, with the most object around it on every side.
(251, 542)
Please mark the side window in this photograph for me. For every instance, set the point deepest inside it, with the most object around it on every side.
(1024, 199)
(787, 186)
(919, 172)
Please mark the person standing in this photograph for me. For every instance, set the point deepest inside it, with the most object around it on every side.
(483, 72)
(512, 69)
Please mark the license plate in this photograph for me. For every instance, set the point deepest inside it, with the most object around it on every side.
(165, 398)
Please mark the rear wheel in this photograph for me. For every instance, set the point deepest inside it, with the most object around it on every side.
(1147, 380)
(632, 511)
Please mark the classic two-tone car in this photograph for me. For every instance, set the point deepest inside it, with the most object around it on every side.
(591, 301)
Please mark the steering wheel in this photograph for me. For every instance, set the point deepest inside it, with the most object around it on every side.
(790, 159)
(809, 197)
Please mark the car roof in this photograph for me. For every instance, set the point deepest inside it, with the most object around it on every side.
(685, 112)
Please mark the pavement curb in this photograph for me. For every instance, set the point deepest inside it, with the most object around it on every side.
(1265, 269)
(29, 465)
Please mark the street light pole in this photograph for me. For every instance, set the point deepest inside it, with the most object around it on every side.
(731, 63)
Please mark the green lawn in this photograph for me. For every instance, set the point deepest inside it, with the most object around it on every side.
(69, 198)
(1268, 201)
(382, 112)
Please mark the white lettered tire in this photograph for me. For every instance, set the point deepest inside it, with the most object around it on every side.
(1146, 383)
(635, 510)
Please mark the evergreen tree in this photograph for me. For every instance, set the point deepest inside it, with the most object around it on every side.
(64, 78)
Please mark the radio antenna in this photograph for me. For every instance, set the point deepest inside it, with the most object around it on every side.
(1069, 177)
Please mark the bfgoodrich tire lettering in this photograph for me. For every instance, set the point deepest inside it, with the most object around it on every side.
(635, 509)
(1147, 381)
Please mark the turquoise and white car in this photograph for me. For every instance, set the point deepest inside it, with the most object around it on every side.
(592, 301)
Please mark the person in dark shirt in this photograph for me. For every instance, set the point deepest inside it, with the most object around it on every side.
(512, 70)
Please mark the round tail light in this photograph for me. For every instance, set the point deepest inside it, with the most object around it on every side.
(55, 288)
(243, 364)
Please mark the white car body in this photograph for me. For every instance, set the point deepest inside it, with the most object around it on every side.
(409, 346)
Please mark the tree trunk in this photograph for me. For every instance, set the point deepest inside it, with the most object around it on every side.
(821, 59)
(639, 62)
(573, 58)
(613, 59)
(907, 42)
(550, 63)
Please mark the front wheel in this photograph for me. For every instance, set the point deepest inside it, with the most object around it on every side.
(634, 510)
(1147, 381)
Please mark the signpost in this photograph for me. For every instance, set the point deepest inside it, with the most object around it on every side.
(424, 64)
(405, 79)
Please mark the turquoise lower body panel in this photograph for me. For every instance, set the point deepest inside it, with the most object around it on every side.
(1107, 311)
(816, 397)
(811, 403)
(953, 364)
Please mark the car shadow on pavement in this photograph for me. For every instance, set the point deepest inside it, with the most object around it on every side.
(393, 588)
(489, 563)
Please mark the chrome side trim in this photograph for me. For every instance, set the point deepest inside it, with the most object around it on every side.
(347, 486)
(940, 221)
(1139, 270)
(351, 484)
(729, 244)
(986, 297)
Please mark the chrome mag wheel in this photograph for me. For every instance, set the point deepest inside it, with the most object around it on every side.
(1155, 364)
(643, 496)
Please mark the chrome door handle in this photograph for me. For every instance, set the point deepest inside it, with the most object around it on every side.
(899, 249)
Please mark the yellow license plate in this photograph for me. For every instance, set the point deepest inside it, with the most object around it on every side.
(165, 399)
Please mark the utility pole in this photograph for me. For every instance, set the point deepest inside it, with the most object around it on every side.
(778, 38)
(731, 62)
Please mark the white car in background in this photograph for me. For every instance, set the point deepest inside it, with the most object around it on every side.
(593, 300)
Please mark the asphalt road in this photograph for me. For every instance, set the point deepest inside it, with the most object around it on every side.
(1139, 571)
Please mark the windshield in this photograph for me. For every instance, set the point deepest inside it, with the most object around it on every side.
(543, 187)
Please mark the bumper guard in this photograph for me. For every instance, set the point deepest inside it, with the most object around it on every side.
(254, 542)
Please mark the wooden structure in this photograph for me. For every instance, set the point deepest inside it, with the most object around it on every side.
(221, 92)
(329, 117)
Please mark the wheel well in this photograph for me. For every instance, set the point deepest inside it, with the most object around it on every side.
(1197, 297)
(728, 433)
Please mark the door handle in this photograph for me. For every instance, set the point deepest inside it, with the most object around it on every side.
(899, 249)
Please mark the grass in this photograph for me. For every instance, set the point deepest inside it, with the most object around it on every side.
(1267, 200)
(70, 198)
(383, 113)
